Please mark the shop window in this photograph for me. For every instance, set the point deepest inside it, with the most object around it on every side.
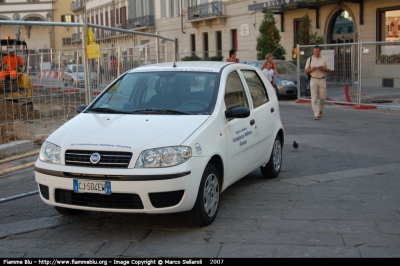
(389, 24)
(388, 30)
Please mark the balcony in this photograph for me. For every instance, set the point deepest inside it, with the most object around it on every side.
(206, 13)
(76, 37)
(140, 23)
(77, 6)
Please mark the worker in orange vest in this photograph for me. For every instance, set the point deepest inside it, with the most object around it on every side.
(10, 64)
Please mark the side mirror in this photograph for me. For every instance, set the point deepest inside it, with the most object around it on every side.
(80, 108)
(237, 112)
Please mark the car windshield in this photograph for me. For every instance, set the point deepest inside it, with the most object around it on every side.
(80, 69)
(189, 93)
(286, 67)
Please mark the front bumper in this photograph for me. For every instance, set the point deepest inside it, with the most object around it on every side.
(81, 83)
(291, 91)
(169, 190)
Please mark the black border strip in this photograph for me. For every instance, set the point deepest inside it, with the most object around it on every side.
(112, 177)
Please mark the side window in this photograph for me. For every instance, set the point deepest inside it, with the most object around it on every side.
(235, 95)
(256, 87)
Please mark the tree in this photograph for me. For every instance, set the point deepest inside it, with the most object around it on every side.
(305, 35)
(269, 39)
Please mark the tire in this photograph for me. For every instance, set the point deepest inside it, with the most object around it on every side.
(67, 211)
(207, 203)
(65, 83)
(277, 92)
(274, 165)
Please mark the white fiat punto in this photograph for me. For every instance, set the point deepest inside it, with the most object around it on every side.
(164, 138)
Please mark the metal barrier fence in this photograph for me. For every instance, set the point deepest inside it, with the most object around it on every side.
(58, 82)
(362, 73)
(244, 55)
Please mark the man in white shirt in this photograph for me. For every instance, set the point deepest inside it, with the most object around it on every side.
(318, 68)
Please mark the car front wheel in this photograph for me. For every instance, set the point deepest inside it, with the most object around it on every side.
(273, 167)
(207, 203)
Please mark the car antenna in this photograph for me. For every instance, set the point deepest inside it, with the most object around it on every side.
(174, 65)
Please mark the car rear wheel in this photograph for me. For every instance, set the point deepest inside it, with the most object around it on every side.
(207, 203)
(67, 211)
(273, 167)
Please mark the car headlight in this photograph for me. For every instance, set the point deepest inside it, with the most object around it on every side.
(50, 153)
(163, 157)
(287, 82)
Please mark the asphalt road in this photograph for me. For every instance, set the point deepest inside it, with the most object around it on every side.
(337, 196)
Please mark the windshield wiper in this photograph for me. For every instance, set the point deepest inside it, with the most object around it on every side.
(159, 111)
(106, 110)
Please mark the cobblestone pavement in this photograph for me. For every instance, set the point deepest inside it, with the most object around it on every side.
(337, 196)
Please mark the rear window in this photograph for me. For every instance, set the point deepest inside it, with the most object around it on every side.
(286, 68)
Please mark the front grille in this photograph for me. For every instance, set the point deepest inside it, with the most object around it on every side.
(113, 201)
(166, 199)
(44, 191)
(108, 159)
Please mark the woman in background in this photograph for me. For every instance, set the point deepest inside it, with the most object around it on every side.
(232, 57)
(269, 57)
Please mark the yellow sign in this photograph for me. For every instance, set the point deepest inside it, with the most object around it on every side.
(92, 49)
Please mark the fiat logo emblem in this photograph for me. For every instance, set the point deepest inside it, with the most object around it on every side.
(95, 158)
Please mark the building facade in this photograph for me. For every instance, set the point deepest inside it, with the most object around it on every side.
(37, 38)
(202, 27)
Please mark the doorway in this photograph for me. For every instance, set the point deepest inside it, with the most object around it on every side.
(342, 32)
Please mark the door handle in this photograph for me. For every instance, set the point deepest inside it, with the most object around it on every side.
(252, 122)
(272, 110)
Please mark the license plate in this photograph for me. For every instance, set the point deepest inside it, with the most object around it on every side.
(101, 187)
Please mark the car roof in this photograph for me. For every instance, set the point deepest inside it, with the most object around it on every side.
(201, 66)
(262, 61)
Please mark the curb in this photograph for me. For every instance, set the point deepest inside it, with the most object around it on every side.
(16, 168)
(358, 107)
(20, 156)
(364, 107)
(302, 101)
(19, 167)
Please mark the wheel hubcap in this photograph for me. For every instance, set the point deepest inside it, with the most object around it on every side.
(211, 195)
(277, 155)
